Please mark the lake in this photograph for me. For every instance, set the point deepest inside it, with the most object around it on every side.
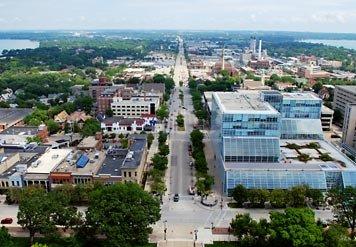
(9, 44)
(351, 44)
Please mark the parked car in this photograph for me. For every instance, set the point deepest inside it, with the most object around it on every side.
(176, 198)
(6, 221)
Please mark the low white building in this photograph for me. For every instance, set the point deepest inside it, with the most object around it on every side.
(135, 107)
(124, 125)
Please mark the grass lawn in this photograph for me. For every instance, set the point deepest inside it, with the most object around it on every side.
(181, 129)
(232, 205)
(63, 242)
(222, 244)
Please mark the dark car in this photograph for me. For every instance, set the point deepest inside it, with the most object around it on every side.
(176, 198)
(6, 221)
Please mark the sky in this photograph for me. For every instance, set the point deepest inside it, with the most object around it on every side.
(278, 15)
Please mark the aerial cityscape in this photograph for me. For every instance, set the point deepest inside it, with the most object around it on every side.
(176, 123)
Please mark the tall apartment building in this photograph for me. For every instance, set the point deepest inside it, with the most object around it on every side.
(258, 146)
(135, 106)
(349, 129)
(344, 95)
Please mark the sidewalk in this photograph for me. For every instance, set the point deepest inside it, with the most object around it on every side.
(151, 152)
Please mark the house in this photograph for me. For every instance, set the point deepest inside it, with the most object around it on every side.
(61, 117)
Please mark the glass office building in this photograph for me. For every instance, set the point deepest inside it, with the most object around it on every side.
(247, 128)
(275, 179)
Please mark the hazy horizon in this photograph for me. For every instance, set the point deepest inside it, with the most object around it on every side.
(330, 16)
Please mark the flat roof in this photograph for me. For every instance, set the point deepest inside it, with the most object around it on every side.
(289, 159)
(326, 110)
(49, 160)
(88, 142)
(134, 156)
(25, 159)
(23, 130)
(96, 159)
(351, 89)
(113, 163)
(12, 115)
(300, 96)
(243, 101)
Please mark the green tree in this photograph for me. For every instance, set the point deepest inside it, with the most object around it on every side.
(109, 112)
(296, 196)
(131, 211)
(162, 137)
(124, 143)
(197, 138)
(258, 197)
(150, 138)
(315, 195)
(39, 245)
(159, 162)
(239, 193)
(163, 149)
(344, 206)
(162, 112)
(278, 198)
(90, 127)
(204, 185)
(36, 139)
(242, 226)
(35, 211)
(295, 227)
(180, 120)
(5, 238)
(336, 236)
(52, 126)
(84, 103)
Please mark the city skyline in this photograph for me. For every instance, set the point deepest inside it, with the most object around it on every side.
(273, 15)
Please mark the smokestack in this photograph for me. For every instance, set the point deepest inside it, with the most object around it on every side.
(260, 50)
(223, 59)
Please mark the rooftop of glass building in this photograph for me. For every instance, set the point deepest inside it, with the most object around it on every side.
(302, 155)
(242, 102)
(300, 96)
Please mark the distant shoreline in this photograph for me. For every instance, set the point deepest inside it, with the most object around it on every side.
(349, 44)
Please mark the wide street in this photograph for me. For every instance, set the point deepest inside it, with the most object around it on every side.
(183, 217)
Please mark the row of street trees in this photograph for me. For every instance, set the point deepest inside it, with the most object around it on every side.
(121, 213)
(204, 180)
(342, 201)
(298, 196)
(160, 162)
(295, 227)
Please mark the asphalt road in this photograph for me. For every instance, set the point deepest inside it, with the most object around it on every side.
(181, 174)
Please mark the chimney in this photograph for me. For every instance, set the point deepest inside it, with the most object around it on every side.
(260, 50)
(223, 59)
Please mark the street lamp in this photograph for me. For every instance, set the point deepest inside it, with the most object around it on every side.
(165, 229)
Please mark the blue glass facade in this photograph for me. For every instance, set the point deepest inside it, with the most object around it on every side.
(251, 139)
(301, 129)
(297, 108)
(275, 98)
(275, 179)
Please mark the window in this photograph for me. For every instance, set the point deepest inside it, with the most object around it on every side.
(129, 174)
